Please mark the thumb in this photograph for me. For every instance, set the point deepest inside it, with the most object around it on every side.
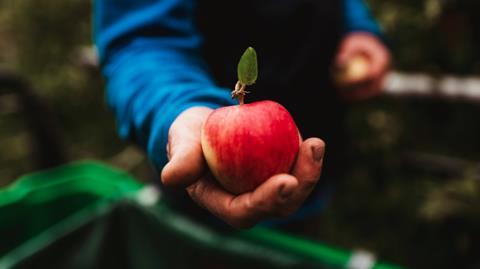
(185, 166)
(187, 163)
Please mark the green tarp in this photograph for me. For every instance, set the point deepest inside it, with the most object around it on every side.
(89, 215)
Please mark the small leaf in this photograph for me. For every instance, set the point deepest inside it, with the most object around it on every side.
(247, 67)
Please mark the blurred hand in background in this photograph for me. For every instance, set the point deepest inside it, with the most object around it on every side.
(360, 66)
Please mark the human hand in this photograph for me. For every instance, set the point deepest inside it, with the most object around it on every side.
(377, 61)
(278, 196)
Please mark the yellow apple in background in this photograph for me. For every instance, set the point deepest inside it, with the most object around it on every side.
(354, 71)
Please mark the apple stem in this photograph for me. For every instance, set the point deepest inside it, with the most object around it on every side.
(239, 92)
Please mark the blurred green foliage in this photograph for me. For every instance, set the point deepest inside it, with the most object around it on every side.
(406, 214)
(432, 35)
(45, 41)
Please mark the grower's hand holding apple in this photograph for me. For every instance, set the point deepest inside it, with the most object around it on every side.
(240, 194)
(361, 65)
(279, 195)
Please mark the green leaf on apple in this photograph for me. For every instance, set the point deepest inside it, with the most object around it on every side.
(247, 67)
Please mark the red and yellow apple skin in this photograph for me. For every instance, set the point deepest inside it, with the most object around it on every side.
(353, 72)
(246, 144)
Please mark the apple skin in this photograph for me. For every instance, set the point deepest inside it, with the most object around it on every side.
(354, 71)
(246, 144)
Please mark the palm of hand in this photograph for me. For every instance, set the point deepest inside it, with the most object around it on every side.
(279, 196)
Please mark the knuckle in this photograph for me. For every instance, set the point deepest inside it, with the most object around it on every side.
(191, 191)
(257, 206)
(249, 205)
(195, 190)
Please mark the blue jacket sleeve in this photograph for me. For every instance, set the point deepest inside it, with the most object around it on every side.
(149, 53)
(357, 17)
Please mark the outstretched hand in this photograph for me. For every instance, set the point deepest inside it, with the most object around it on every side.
(279, 196)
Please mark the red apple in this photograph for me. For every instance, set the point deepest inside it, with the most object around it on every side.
(246, 144)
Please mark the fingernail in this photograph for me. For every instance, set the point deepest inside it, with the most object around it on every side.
(285, 191)
(317, 153)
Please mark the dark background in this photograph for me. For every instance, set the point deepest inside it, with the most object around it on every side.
(413, 193)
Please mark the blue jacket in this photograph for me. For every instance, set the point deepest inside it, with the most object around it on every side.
(149, 52)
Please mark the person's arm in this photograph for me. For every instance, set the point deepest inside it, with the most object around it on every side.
(362, 42)
(149, 52)
(358, 18)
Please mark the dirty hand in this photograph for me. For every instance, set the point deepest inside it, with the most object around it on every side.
(278, 196)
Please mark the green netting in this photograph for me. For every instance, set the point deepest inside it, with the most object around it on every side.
(88, 215)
